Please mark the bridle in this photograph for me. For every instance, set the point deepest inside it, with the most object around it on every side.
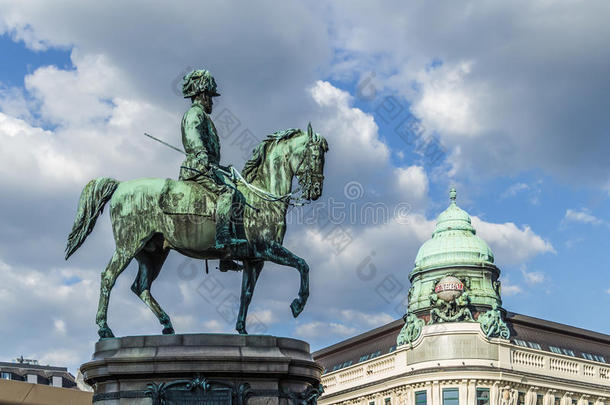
(306, 177)
(306, 180)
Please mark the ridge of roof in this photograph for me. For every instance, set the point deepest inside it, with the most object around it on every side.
(557, 327)
(26, 366)
(380, 330)
(512, 317)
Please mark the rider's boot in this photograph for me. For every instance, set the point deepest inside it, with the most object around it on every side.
(227, 264)
(235, 248)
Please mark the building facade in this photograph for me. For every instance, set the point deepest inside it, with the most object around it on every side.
(457, 345)
(30, 371)
(27, 382)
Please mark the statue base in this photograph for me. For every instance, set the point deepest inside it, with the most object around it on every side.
(203, 369)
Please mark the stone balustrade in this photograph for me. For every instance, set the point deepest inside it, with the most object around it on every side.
(499, 358)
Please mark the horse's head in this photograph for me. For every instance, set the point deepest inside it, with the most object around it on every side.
(292, 152)
(307, 162)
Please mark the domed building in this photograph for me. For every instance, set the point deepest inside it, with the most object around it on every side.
(457, 345)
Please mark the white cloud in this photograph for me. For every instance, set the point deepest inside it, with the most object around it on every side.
(264, 316)
(369, 320)
(412, 184)
(492, 96)
(512, 244)
(514, 189)
(533, 277)
(509, 289)
(59, 326)
(214, 326)
(353, 132)
(445, 105)
(582, 216)
(317, 328)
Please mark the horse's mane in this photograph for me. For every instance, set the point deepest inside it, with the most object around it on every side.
(260, 152)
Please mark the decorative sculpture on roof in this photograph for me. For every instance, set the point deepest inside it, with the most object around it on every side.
(492, 323)
(411, 329)
(450, 301)
(200, 215)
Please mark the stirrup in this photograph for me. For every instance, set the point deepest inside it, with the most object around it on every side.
(227, 264)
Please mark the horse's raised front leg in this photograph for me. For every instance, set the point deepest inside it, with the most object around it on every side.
(150, 263)
(115, 267)
(250, 275)
(276, 253)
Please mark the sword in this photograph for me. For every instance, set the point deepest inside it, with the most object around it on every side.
(165, 143)
(225, 172)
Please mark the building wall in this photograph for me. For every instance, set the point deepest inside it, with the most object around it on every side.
(19, 392)
(458, 356)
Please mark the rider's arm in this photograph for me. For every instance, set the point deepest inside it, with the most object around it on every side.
(193, 123)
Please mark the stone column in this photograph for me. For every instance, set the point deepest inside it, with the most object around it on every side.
(472, 393)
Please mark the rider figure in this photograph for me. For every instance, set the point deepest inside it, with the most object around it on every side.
(202, 163)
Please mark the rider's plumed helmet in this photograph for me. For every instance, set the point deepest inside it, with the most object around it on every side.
(198, 81)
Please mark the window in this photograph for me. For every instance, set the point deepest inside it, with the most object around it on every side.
(347, 364)
(568, 352)
(392, 349)
(534, 345)
(377, 353)
(539, 399)
(525, 343)
(555, 349)
(56, 381)
(521, 342)
(363, 358)
(5, 376)
(32, 378)
(557, 401)
(601, 359)
(388, 401)
(372, 403)
(588, 356)
(421, 398)
(336, 367)
(451, 396)
(521, 398)
(482, 396)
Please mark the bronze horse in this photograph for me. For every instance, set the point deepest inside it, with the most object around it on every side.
(142, 230)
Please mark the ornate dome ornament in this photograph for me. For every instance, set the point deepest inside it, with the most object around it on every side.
(454, 279)
(454, 241)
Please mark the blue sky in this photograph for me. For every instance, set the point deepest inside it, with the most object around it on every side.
(521, 125)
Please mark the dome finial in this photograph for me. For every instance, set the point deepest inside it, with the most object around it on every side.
(452, 194)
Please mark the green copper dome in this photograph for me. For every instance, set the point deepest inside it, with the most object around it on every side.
(454, 242)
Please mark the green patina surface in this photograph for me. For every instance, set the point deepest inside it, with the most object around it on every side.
(213, 214)
(455, 250)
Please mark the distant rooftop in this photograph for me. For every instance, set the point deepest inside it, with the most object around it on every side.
(526, 331)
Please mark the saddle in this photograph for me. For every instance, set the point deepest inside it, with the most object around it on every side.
(187, 198)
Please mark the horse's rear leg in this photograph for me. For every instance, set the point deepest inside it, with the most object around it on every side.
(250, 275)
(115, 267)
(150, 262)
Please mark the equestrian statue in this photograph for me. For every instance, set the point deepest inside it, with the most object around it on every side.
(211, 212)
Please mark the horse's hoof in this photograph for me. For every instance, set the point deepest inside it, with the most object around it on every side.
(168, 330)
(241, 328)
(296, 307)
(105, 333)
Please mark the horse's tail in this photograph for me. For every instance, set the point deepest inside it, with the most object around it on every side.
(92, 200)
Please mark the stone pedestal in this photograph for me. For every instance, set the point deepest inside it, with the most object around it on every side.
(203, 369)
